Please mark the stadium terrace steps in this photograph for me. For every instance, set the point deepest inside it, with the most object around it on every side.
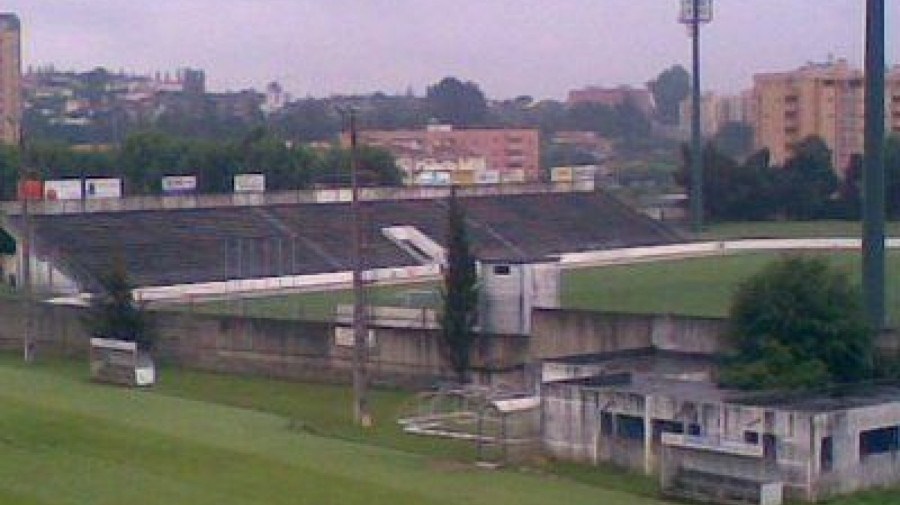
(166, 247)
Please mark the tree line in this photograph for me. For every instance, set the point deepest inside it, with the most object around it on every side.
(805, 187)
(145, 157)
(450, 100)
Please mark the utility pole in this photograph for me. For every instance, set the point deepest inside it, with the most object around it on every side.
(873, 172)
(28, 346)
(361, 411)
(694, 12)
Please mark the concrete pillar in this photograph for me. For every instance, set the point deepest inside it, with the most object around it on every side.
(648, 435)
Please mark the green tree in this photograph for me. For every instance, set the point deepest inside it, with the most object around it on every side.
(377, 167)
(798, 323)
(734, 139)
(307, 120)
(595, 117)
(115, 314)
(287, 167)
(734, 191)
(808, 180)
(669, 89)
(632, 124)
(147, 156)
(457, 103)
(9, 171)
(459, 293)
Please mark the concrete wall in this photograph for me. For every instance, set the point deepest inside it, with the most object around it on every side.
(851, 471)
(510, 292)
(271, 347)
(557, 333)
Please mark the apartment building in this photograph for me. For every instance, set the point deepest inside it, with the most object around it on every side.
(612, 97)
(10, 78)
(441, 154)
(818, 99)
(892, 101)
(716, 111)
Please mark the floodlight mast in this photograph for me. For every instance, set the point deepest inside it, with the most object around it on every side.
(693, 13)
(873, 175)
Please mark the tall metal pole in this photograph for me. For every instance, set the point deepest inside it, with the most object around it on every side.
(874, 199)
(696, 149)
(361, 412)
(693, 13)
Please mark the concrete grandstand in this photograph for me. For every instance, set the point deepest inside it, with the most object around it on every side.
(194, 241)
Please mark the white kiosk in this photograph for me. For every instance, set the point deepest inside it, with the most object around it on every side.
(121, 362)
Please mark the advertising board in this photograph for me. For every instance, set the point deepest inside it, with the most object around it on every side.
(433, 178)
(179, 184)
(561, 174)
(249, 183)
(514, 175)
(103, 188)
(30, 190)
(344, 337)
(487, 177)
(65, 189)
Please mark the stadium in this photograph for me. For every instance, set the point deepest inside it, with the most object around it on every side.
(595, 374)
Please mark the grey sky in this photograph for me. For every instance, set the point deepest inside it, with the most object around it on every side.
(510, 47)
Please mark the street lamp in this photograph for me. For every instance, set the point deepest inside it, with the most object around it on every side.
(693, 13)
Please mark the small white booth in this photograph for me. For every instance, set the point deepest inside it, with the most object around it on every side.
(121, 362)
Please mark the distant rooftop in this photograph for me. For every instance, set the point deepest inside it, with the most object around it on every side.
(826, 400)
(830, 399)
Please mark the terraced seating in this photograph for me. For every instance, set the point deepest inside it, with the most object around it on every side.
(166, 247)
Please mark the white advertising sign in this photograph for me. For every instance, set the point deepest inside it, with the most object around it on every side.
(68, 189)
(179, 184)
(103, 188)
(433, 178)
(514, 175)
(249, 183)
(343, 337)
(487, 177)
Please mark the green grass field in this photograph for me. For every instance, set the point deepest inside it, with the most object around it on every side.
(697, 286)
(201, 438)
(206, 439)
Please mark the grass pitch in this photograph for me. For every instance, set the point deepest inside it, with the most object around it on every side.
(696, 286)
(67, 441)
(209, 439)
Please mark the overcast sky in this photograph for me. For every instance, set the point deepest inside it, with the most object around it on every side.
(510, 47)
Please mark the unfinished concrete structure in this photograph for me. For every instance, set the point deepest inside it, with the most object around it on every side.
(510, 290)
(723, 445)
